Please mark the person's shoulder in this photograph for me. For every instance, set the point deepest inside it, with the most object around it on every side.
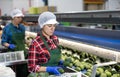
(7, 27)
(22, 26)
(36, 40)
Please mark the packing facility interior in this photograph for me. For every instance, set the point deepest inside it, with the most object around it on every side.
(88, 33)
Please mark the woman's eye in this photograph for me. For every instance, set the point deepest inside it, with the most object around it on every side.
(50, 25)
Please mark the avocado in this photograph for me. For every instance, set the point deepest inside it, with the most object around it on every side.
(61, 70)
(78, 68)
(108, 73)
(70, 65)
(103, 75)
(88, 74)
(66, 63)
(114, 75)
(101, 70)
(68, 59)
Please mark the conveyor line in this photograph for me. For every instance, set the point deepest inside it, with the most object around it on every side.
(100, 41)
(104, 38)
(98, 51)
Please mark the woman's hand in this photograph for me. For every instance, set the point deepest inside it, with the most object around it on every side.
(53, 70)
(11, 46)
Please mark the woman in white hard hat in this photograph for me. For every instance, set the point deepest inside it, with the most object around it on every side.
(44, 53)
(13, 36)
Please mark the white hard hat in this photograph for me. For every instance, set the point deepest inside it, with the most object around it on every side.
(47, 18)
(16, 13)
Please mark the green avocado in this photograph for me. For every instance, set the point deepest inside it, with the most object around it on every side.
(61, 70)
(103, 75)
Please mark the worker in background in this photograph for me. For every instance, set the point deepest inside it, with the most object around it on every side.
(13, 36)
(44, 53)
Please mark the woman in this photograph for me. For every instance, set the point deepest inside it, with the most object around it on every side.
(14, 33)
(44, 52)
(13, 37)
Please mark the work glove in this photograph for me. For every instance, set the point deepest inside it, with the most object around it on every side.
(53, 70)
(61, 63)
(11, 46)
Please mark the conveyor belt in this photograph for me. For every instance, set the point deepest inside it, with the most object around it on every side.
(102, 39)
(104, 42)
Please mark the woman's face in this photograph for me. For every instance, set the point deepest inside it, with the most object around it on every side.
(49, 29)
(18, 20)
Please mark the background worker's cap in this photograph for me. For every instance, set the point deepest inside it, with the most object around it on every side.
(47, 18)
(16, 13)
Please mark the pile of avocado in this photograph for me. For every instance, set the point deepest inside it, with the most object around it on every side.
(80, 61)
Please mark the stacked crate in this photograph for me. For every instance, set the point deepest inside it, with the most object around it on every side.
(38, 10)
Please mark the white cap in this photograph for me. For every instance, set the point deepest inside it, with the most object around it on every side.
(47, 18)
(16, 13)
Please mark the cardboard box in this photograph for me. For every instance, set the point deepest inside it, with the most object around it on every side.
(47, 8)
(33, 10)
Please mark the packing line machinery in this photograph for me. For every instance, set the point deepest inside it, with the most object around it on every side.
(99, 16)
(104, 39)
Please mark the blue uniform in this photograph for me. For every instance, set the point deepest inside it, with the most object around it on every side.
(8, 33)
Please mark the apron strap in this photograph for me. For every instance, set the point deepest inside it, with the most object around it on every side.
(44, 41)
